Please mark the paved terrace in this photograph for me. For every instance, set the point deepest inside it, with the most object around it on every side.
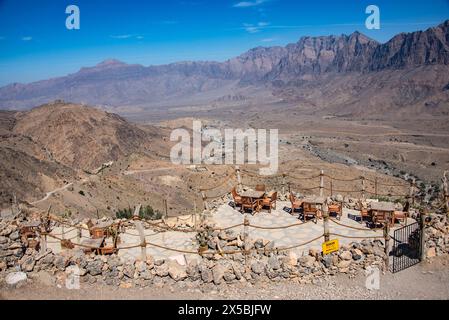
(226, 216)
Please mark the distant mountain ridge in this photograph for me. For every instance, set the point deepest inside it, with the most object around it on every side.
(115, 83)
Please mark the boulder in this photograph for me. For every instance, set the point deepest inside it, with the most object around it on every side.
(14, 236)
(28, 264)
(180, 259)
(141, 266)
(344, 264)
(346, 255)
(193, 270)
(273, 263)
(176, 271)
(257, 267)
(14, 278)
(94, 267)
(218, 272)
(307, 261)
(357, 254)
(206, 274)
(60, 263)
(161, 270)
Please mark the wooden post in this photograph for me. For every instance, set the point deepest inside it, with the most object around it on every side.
(332, 189)
(43, 243)
(375, 188)
(387, 243)
(321, 183)
(239, 179)
(138, 224)
(363, 187)
(166, 208)
(283, 185)
(206, 205)
(245, 238)
(422, 224)
(326, 222)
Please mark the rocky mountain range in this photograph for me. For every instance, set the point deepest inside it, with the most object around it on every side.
(287, 71)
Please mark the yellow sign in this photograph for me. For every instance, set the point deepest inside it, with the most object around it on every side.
(330, 246)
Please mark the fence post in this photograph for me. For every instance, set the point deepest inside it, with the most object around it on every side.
(387, 244)
(363, 187)
(422, 224)
(332, 189)
(166, 208)
(283, 185)
(206, 205)
(245, 238)
(321, 183)
(239, 179)
(138, 224)
(326, 222)
(43, 242)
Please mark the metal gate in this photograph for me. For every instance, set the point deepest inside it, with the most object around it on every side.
(406, 249)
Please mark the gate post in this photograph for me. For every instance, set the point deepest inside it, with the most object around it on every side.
(239, 178)
(387, 244)
(139, 227)
(422, 224)
(326, 222)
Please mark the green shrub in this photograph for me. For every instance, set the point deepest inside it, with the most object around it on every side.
(146, 212)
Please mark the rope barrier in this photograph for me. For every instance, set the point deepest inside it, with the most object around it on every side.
(356, 237)
(355, 228)
(301, 178)
(343, 180)
(280, 227)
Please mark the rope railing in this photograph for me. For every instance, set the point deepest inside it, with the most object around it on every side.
(355, 228)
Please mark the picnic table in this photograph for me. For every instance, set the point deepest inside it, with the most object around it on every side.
(93, 244)
(253, 194)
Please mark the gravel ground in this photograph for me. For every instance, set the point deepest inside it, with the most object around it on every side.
(424, 281)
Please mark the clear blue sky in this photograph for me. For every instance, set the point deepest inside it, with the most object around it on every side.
(35, 44)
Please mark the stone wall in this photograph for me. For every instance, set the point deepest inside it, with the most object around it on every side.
(263, 264)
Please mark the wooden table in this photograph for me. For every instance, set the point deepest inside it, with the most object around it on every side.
(94, 244)
(253, 194)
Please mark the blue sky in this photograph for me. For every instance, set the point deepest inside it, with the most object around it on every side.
(35, 44)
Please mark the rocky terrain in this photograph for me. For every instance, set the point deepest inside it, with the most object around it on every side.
(407, 72)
